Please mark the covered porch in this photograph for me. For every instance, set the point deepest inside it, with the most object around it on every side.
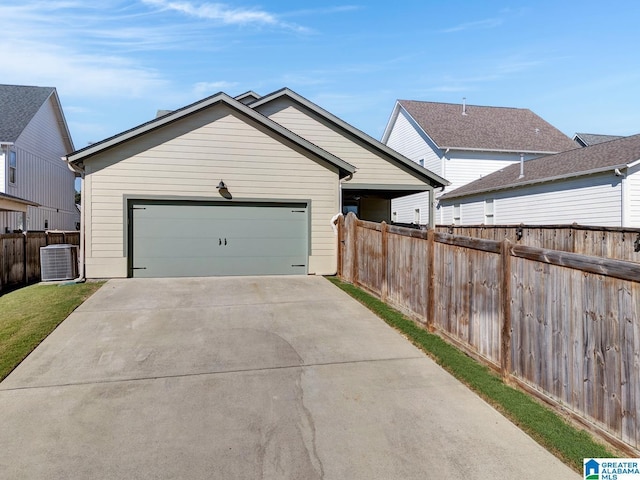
(10, 204)
(373, 202)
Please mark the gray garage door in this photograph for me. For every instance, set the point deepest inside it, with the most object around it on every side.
(195, 239)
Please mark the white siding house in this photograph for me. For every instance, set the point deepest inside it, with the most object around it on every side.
(596, 185)
(221, 187)
(33, 138)
(463, 143)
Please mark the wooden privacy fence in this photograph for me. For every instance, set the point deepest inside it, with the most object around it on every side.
(607, 242)
(563, 326)
(20, 255)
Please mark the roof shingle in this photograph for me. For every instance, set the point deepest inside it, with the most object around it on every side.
(486, 128)
(582, 160)
(18, 105)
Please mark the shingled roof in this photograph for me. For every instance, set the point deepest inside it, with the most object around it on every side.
(587, 139)
(18, 104)
(580, 161)
(486, 128)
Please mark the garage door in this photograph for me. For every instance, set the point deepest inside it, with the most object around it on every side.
(195, 239)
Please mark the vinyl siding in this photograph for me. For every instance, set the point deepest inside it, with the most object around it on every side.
(3, 171)
(42, 176)
(405, 207)
(465, 167)
(633, 179)
(593, 200)
(188, 159)
(371, 167)
(407, 138)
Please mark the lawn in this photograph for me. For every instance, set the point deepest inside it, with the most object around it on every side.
(29, 314)
(544, 425)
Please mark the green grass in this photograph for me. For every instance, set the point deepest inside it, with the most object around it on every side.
(549, 429)
(29, 314)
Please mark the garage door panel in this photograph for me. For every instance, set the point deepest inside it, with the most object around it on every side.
(198, 239)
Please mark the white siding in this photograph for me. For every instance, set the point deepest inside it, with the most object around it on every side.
(407, 138)
(461, 167)
(593, 200)
(188, 159)
(3, 172)
(633, 179)
(42, 176)
(406, 206)
(371, 167)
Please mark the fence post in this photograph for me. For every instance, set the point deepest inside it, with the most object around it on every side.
(25, 274)
(353, 245)
(505, 354)
(384, 287)
(431, 279)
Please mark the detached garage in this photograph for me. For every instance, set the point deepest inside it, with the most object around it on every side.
(220, 188)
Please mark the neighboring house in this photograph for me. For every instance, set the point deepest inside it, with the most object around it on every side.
(33, 138)
(596, 185)
(221, 187)
(588, 139)
(462, 143)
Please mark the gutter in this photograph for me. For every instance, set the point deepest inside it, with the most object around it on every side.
(81, 269)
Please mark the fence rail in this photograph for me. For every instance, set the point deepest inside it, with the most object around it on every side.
(20, 255)
(606, 242)
(563, 325)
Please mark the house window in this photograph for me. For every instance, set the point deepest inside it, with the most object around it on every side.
(416, 216)
(488, 211)
(456, 214)
(13, 165)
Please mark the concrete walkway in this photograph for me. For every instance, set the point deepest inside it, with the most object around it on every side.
(246, 378)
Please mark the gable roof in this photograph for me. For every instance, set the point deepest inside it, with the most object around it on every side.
(481, 128)
(247, 97)
(20, 103)
(587, 139)
(601, 157)
(391, 155)
(85, 153)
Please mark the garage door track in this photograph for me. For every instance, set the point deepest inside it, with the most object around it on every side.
(246, 378)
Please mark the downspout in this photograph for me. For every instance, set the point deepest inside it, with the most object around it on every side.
(81, 273)
(624, 197)
(444, 175)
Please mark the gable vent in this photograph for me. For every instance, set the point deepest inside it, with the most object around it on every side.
(58, 262)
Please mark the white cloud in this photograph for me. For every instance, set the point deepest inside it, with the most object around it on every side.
(478, 25)
(224, 13)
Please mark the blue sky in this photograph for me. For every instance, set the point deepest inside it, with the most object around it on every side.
(115, 62)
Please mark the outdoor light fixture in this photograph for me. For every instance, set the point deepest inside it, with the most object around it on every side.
(221, 186)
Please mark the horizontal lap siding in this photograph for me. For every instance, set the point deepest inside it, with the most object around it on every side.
(593, 200)
(252, 164)
(405, 207)
(465, 167)
(372, 169)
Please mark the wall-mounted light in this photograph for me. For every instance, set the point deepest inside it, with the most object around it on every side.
(221, 186)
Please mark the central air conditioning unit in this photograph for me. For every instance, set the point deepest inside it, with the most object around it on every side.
(58, 262)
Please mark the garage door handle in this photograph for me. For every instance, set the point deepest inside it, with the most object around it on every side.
(225, 241)
(219, 241)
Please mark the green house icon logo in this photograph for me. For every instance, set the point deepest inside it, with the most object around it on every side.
(591, 470)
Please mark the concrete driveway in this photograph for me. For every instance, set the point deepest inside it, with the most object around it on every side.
(246, 378)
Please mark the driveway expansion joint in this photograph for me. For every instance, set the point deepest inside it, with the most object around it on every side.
(203, 374)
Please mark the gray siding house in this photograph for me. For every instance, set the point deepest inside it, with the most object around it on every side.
(596, 185)
(462, 143)
(33, 138)
(233, 186)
